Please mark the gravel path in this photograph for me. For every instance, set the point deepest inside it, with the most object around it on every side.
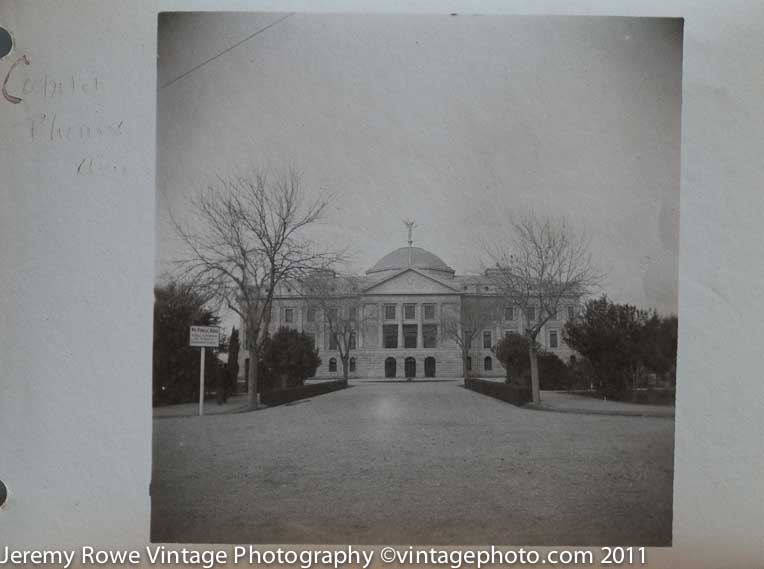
(412, 463)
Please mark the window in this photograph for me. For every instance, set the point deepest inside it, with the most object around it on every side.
(487, 340)
(409, 335)
(333, 314)
(487, 364)
(508, 332)
(311, 314)
(352, 365)
(430, 335)
(332, 341)
(429, 312)
(553, 339)
(351, 342)
(467, 338)
(509, 313)
(353, 313)
(289, 315)
(332, 364)
(389, 312)
(571, 312)
(390, 335)
(531, 313)
(409, 311)
(553, 314)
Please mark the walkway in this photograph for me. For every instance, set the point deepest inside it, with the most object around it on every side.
(421, 463)
(571, 403)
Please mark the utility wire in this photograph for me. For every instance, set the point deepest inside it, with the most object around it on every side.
(237, 44)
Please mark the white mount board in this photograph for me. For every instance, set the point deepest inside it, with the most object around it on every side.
(77, 235)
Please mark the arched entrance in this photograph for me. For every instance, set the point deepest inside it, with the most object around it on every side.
(429, 367)
(390, 367)
(410, 367)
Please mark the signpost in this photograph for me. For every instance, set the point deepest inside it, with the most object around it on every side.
(203, 337)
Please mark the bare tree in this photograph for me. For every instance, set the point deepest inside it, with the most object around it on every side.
(462, 326)
(245, 236)
(334, 302)
(542, 264)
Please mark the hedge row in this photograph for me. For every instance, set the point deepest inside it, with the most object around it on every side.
(281, 396)
(644, 396)
(505, 391)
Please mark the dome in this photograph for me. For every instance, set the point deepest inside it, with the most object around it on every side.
(420, 259)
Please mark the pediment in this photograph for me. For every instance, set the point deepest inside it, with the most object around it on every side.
(410, 281)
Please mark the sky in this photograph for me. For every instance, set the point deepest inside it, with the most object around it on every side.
(458, 122)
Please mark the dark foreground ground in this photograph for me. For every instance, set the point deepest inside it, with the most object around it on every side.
(412, 463)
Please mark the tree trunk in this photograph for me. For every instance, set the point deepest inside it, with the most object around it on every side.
(464, 366)
(535, 386)
(345, 364)
(252, 395)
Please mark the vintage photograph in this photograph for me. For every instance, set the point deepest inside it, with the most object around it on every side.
(416, 279)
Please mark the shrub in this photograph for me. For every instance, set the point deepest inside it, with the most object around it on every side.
(289, 358)
(177, 306)
(512, 352)
(553, 373)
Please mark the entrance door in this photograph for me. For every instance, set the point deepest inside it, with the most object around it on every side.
(390, 367)
(429, 367)
(410, 365)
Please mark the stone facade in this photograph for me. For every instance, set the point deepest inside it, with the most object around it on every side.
(404, 298)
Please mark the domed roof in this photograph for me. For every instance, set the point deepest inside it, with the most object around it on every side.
(420, 259)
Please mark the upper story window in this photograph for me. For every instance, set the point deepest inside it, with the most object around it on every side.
(487, 340)
(531, 313)
(571, 312)
(390, 336)
(430, 335)
(289, 315)
(553, 314)
(409, 335)
(554, 340)
(311, 314)
(353, 313)
(409, 311)
(351, 342)
(509, 313)
(389, 312)
(332, 342)
(429, 312)
(333, 312)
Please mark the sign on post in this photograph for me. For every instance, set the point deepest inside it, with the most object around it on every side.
(203, 337)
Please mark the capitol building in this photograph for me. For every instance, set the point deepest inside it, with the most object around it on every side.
(403, 301)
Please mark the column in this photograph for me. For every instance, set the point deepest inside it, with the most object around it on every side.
(399, 315)
(380, 323)
(300, 308)
(419, 318)
(359, 327)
